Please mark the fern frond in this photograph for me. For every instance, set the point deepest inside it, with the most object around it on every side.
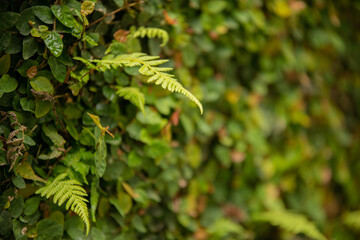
(68, 190)
(292, 222)
(148, 67)
(151, 33)
(133, 95)
(352, 219)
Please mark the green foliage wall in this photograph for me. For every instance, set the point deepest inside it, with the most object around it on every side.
(95, 146)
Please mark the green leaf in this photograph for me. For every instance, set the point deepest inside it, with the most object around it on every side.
(123, 204)
(8, 19)
(23, 22)
(27, 105)
(87, 7)
(6, 223)
(5, 40)
(134, 160)
(4, 64)
(94, 198)
(138, 224)
(7, 84)
(16, 207)
(57, 68)
(25, 170)
(100, 157)
(17, 229)
(48, 229)
(42, 84)
(51, 132)
(15, 45)
(54, 43)
(64, 15)
(31, 205)
(42, 108)
(19, 182)
(44, 14)
(29, 47)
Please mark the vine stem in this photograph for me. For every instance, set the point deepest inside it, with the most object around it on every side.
(114, 12)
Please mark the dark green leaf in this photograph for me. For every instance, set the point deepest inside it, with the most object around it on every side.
(48, 229)
(8, 19)
(14, 46)
(54, 43)
(31, 205)
(23, 23)
(64, 15)
(5, 223)
(29, 47)
(5, 40)
(4, 64)
(18, 181)
(44, 14)
(16, 207)
(42, 108)
(57, 68)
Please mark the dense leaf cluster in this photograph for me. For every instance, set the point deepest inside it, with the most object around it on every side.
(90, 149)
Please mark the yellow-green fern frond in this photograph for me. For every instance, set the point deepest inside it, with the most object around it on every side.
(352, 219)
(151, 33)
(292, 222)
(62, 190)
(148, 67)
(133, 95)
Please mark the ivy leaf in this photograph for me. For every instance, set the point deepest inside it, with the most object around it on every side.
(64, 15)
(5, 40)
(8, 19)
(19, 182)
(4, 64)
(42, 84)
(7, 84)
(42, 108)
(57, 68)
(54, 43)
(31, 205)
(49, 229)
(44, 14)
(29, 47)
(23, 22)
(87, 7)
(27, 105)
(25, 170)
(100, 157)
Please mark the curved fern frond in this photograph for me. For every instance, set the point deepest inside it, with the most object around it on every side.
(148, 67)
(292, 222)
(63, 190)
(151, 33)
(133, 95)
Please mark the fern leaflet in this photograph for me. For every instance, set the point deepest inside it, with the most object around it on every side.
(150, 33)
(148, 67)
(71, 191)
(133, 95)
(292, 222)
